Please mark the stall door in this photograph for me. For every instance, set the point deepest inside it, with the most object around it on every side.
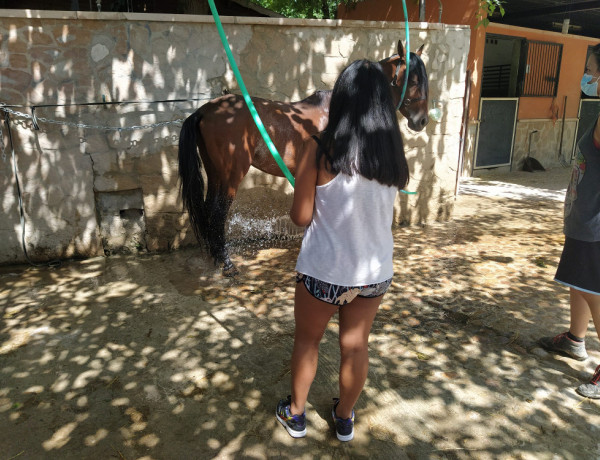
(497, 120)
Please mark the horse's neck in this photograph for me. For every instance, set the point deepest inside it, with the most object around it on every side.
(327, 98)
(319, 99)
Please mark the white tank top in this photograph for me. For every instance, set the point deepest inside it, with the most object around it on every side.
(349, 241)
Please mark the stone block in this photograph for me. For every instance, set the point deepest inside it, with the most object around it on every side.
(126, 164)
(153, 164)
(39, 72)
(160, 196)
(13, 96)
(15, 46)
(117, 140)
(140, 37)
(54, 196)
(99, 51)
(46, 56)
(168, 231)
(18, 61)
(95, 143)
(103, 162)
(38, 36)
(65, 35)
(328, 79)
(344, 47)
(15, 80)
(334, 65)
(111, 182)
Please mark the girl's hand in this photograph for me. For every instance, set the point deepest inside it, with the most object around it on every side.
(306, 181)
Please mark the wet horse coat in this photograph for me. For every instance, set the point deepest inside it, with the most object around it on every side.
(222, 137)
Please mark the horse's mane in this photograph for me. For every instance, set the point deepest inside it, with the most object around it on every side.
(417, 67)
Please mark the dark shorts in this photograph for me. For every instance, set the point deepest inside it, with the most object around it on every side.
(579, 266)
(341, 295)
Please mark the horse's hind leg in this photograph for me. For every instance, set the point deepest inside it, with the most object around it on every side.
(219, 203)
(226, 158)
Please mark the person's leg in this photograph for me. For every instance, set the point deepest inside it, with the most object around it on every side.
(580, 312)
(571, 343)
(592, 388)
(592, 302)
(356, 319)
(311, 316)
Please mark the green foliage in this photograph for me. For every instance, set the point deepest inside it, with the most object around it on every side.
(326, 9)
(487, 9)
(310, 9)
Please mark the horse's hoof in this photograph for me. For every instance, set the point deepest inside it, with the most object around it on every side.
(230, 271)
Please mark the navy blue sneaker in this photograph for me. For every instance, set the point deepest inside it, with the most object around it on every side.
(344, 427)
(294, 424)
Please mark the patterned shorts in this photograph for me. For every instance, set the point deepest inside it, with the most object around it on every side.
(341, 295)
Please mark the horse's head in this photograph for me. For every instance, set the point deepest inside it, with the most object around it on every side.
(414, 106)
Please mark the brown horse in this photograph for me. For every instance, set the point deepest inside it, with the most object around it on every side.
(222, 136)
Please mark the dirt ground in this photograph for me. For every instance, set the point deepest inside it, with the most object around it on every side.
(159, 357)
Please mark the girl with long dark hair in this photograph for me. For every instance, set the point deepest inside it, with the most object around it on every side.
(346, 184)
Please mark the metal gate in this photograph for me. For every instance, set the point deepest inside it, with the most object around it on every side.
(496, 133)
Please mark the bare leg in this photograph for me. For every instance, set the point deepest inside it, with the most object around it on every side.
(593, 303)
(311, 316)
(356, 319)
(580, 312)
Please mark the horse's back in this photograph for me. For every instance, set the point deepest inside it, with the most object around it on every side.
(230, 133)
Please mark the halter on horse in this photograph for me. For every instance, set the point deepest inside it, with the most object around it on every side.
(222, 137)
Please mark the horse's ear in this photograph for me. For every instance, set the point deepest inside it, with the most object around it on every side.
(420, 50)
(400, 49)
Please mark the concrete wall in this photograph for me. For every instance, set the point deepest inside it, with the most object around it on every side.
(89, 190)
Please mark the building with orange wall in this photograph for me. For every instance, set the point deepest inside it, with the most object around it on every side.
(545, 126)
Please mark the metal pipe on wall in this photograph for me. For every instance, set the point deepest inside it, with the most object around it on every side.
(463, 133)
(422, 10)
(562, 130)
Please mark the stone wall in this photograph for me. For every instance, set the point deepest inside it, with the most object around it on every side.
(89, 188)
(545, 143)
(545, 146)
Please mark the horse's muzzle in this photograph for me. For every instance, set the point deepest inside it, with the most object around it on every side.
(417, 123)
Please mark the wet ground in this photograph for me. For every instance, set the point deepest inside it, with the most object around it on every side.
(159, 357)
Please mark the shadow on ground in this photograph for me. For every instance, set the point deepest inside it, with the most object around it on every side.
(159, 357)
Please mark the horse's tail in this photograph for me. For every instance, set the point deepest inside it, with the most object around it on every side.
(190, 174)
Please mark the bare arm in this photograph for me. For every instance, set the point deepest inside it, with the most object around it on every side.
(597, 131)
(306, 181)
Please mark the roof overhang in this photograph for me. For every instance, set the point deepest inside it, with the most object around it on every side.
(576, 17)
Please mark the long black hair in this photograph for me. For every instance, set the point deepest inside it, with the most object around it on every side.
(363, 135)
